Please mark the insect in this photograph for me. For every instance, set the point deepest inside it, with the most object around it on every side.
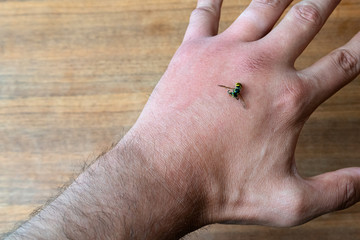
(235, 93)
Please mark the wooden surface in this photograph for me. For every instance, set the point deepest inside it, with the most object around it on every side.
(74, 76)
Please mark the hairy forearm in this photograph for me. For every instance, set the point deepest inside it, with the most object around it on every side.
(123, 195)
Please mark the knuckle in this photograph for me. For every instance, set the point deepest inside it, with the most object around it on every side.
(348, 192)
(293, 209)
(345, 61)
(297, 212)
(205, 10)
(293, 97)
(309, 13)
(268, 3)
(256, 63)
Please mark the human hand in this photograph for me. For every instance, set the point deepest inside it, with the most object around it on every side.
(241, 160)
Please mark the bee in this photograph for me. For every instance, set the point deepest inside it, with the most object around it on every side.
(235, 92)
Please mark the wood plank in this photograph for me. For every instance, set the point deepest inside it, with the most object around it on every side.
(74, 76)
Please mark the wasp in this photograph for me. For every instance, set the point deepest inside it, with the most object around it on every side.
(235, 92)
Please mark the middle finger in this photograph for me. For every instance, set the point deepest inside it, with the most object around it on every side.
(257, 19)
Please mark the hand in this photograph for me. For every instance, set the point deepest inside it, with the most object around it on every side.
(197, 156)
(242, 159)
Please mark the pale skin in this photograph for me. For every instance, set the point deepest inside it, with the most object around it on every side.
(196, 156)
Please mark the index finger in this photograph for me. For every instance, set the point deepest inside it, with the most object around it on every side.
(333, 71)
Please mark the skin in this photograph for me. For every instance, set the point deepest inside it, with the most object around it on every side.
(196, 156)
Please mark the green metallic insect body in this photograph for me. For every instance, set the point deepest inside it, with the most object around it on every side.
(235, 92)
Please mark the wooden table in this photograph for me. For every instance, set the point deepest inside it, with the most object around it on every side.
(74, 76)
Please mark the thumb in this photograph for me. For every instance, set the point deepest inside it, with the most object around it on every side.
(335, 190)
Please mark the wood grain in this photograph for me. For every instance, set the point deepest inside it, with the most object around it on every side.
(74, 76)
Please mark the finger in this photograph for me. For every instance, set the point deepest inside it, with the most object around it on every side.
(299, 27)
(204, 20)
(334, 191)
(257, 19)
(332, 72)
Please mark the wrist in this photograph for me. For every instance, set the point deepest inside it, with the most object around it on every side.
(186, 155)
(129, 192)
(175, 192)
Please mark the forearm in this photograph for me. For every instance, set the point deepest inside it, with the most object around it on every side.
(123, 195)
